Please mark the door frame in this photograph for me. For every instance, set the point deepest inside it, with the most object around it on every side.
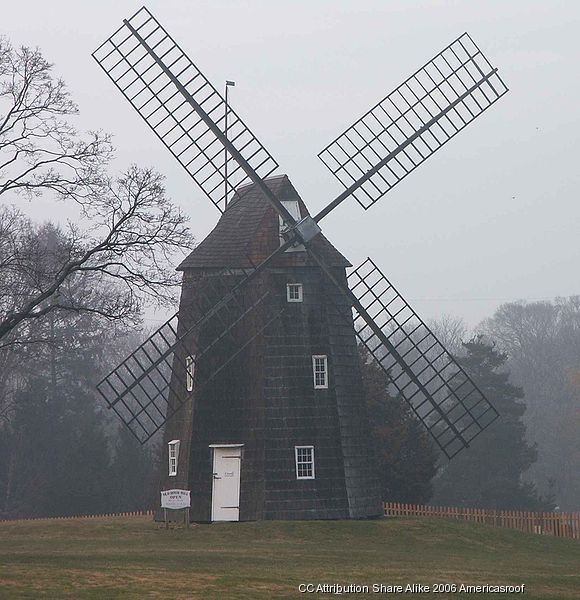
(212, 448)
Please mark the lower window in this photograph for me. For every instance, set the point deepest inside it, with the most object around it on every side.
(304, 462)
(173, 451)
(189, 372)
(320, 371)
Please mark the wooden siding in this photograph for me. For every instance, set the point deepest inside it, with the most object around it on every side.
(265, 399)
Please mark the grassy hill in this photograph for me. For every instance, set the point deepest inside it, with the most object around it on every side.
(116, 557)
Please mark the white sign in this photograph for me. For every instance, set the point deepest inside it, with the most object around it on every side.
(175, 499)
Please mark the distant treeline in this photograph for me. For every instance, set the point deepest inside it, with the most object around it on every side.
(542, 343)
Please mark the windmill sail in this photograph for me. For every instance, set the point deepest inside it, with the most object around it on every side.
(182, 107)
(422, 371)
(404, 129)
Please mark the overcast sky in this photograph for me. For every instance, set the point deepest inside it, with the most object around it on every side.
(491, 217)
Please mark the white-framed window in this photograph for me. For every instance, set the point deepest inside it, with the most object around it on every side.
(320, 371)
(173, 452)
(294, 292)
(304, 462)
(189, 372)
(293, 207)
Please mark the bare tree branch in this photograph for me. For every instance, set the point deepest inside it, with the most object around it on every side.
(40, 150)
(131, 230)
(131, 224)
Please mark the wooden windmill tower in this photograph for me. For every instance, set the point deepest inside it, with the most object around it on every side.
(256, 379)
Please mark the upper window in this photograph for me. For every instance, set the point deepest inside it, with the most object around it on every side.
(173, 447)
(294, 292)
(320, 371)
(293, 208)
(304, 462)
(189, 372)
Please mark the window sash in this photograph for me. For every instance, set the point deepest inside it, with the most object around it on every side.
(320, 371)
(189, 372)
(173, 454)
(294, 292)
(304, 457)
(293, 207)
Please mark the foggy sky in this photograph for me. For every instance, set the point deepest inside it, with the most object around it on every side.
(492, 217)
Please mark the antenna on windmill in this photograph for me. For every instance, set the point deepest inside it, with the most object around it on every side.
(229, 84)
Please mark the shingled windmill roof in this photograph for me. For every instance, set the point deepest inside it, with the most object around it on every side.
(248, 232)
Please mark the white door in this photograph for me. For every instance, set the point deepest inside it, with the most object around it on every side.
(225, 504)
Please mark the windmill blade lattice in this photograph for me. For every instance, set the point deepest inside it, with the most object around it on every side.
(151, 384)
(181, 106)
(404, 129)
(138, 388)
(439, 391)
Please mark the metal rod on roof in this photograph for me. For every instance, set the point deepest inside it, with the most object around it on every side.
(228, 84)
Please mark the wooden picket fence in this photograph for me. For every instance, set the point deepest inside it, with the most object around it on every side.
(546, 523)
(135, 513)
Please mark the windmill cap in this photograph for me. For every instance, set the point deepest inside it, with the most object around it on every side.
(249, 231)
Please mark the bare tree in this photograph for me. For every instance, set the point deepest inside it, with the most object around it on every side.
(40, 149)
(132, 230)
(69, 292)
(451, 332)
(128, 246)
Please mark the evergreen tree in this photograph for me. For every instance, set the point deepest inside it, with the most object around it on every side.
(132, 474)
(406, 455)
(489, 473)
(59, 458)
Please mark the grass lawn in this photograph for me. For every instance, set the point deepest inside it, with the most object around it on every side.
(134, 558)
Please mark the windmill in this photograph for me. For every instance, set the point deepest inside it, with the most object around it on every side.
(256, 379)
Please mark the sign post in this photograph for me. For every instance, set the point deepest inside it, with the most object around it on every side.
(175, 500)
